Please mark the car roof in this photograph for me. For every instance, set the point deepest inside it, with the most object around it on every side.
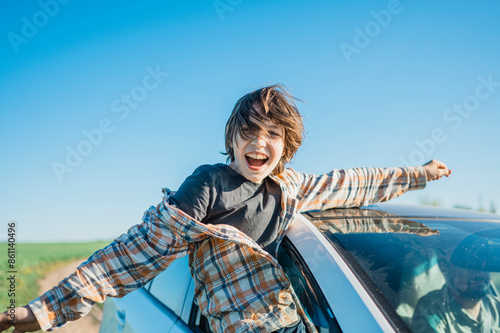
(391, 210)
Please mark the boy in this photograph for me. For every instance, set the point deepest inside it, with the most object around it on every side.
(230, 219)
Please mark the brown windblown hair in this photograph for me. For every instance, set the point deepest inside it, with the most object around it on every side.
(272, 103)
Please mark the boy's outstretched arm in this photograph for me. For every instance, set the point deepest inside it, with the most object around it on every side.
(25, 320)
(127, 264)
(359, 186)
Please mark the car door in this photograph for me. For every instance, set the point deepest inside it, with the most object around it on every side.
(158, 307)
(310, 296)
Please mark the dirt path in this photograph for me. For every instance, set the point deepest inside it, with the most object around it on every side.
(89, 323)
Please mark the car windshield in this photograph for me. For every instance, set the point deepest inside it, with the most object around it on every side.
(425, 274)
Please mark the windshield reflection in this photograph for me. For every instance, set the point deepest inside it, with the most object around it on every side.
(441, 283)
(378, 225)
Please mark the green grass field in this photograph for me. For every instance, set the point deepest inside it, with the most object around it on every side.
(33, 261)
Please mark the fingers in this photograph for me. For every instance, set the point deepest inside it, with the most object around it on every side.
(447, 172)
(26, 327)
(436, 169)
(429, 232)
(444, 171)
(4, 321)
(441, 173)
(23, 318)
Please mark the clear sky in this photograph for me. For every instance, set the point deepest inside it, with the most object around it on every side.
(105, 103)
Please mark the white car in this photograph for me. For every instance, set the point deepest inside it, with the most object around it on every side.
(354, 270)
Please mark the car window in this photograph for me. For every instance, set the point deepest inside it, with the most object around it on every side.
(420, 269)
(306, 288)
(198, 321)
(170, 287)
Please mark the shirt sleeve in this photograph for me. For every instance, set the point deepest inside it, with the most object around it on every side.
(127, 264)
(356, 187)
(420, 322)
(193, 196)
(429, 315)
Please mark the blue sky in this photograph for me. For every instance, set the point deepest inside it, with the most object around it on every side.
(141, 92)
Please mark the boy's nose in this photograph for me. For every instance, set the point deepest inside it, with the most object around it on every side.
(259, 140)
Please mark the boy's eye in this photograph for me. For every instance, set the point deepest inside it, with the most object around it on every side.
(274, 134)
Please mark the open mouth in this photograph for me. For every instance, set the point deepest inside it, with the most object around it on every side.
(256, 160)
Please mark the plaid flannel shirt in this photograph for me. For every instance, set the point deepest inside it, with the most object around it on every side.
(238, 286)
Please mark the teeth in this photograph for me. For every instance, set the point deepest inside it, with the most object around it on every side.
(257, 156)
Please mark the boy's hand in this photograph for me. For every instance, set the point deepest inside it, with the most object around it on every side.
(25, 320)
(436, 170)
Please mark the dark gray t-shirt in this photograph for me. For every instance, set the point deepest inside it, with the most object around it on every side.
(216, 194)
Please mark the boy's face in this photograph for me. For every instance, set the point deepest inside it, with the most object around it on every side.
(255, 158)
